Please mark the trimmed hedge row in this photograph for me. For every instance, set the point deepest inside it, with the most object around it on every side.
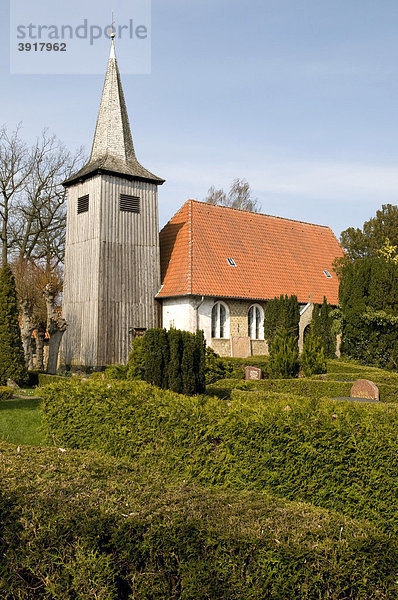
(310, 388)
(383, 377)
(341, 456)
(81, 525)
(6, 393)
(352, 366)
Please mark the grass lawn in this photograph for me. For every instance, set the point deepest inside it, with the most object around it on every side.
(20, 420)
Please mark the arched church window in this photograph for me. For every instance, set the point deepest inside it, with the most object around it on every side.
(220, 320)
(255, 322)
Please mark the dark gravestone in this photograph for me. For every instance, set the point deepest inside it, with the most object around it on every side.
(363, 388)
(253, 373)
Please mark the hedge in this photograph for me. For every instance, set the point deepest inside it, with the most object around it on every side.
(6, 393)
(341, 456)
(310, 388)
(45, 378)
(82, 525)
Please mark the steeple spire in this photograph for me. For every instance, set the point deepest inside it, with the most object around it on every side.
(113, 149)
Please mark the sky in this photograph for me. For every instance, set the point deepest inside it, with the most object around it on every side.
(297, 97)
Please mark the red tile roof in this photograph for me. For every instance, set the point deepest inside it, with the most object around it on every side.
(273, 255)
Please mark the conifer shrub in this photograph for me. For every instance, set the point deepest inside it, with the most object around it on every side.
(281, 316)
(216, 367)
(157, 355)
(338, 455)
(312, 359)
(173, 360)
(136, 361)
(85, 525)
(176, 343)
(322, 327)
(12, 360)
(116, 371)
(284, 356)
(6, 393)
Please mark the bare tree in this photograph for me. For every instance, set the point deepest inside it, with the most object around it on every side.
(39, 218)
(15, 169)
(38, 289)
(56, 327)
(239, 196)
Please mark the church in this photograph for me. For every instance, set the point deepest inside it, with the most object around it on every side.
(210, 267)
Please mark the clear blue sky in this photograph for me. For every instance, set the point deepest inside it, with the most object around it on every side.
(298, 97)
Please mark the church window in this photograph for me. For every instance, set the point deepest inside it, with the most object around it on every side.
(219, 320)
(129, 203)
(231, 262)
(82, 204)
(255, 322)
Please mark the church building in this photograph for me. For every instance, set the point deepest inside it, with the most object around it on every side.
(211, 267)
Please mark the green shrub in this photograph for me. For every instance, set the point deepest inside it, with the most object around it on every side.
(216, 367)
(175, 360)
(368, 295)
(87, 526)
(6, 393)
(176, 344)
(322, 327)
(136, 361)
(284, 356)
(339, 455)
(45, 378)
(116, 372)
(156, 352)
(312, 359)
(281, 316)
(12, 360)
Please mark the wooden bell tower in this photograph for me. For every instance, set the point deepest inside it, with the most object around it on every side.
(112, 259)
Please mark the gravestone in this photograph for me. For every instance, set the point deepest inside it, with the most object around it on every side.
(363, 388)
(240, 346)
(253, 373)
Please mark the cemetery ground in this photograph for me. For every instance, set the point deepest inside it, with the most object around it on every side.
(267, 489)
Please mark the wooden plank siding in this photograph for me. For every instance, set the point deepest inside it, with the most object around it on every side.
(112, 270)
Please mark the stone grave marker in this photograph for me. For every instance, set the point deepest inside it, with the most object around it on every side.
(363, 388)
(240, 346)
(253, 373)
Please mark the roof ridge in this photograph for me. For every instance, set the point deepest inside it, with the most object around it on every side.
(241, 210)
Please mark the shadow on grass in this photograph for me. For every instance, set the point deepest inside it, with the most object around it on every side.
(20, 403)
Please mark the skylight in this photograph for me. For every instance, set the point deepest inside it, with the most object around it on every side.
(327, 274)
(231, 262)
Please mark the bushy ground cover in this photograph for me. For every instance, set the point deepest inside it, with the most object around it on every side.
(78, 524)
(339, 455)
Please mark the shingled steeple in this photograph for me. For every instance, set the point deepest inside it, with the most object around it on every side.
(112, 254)
(113, 149)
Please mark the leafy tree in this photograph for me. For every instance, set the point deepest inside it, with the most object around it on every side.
(322, 327)
(368, 296)
(12, 361)
(313, 357)
(240, 196)
(360, 243)
(284, 356)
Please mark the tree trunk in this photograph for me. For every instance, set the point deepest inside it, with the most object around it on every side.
(56, 327)
(26, 331)
(40, 335)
